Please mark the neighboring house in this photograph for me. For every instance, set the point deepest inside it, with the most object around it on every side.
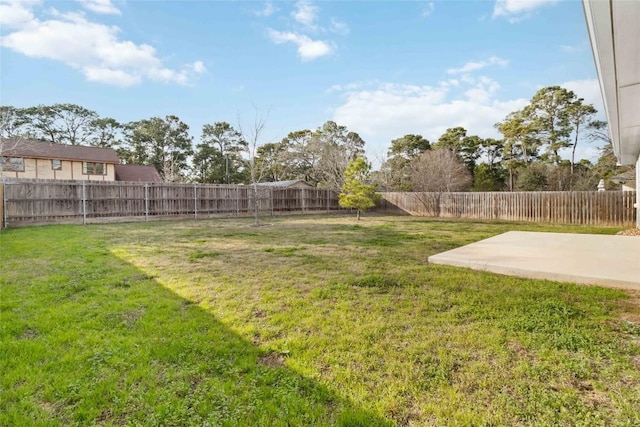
(295, 183)
(626, 179)
(137, 173)
(24, 158)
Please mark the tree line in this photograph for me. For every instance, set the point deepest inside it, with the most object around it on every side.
(527, 157)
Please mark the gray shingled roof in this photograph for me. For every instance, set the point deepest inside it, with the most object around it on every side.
(284, 184)
(138, 173)
(32, 149)
(627, 176)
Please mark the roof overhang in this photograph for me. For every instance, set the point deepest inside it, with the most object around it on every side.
(614, 30)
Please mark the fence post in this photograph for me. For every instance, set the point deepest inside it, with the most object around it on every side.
(84, 203)
(4, 202)
(195, 201)
(302, 198)
(271, 196)
(237, 200)
(146, 202)
(326, 190)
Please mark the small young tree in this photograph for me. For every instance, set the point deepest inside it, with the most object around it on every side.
(251, 137)
(356, 193)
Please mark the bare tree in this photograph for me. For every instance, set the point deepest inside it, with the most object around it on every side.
(252, 137)
(9, 136)
(439, 170)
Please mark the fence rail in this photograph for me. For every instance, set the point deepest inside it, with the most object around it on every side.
(31, 202)
(579, 207)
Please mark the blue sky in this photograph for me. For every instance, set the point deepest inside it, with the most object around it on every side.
(381, 68)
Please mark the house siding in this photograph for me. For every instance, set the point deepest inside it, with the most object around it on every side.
(42, 169)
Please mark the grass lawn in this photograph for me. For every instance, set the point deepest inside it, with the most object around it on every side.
(315, 320)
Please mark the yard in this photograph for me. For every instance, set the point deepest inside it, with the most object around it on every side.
(314, 320)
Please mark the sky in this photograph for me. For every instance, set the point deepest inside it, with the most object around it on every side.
(383, 69)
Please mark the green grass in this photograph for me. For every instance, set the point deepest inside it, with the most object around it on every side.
(307, 321)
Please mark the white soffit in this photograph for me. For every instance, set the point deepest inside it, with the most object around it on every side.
(614, 30)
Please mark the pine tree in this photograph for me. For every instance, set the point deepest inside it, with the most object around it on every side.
(356, 193)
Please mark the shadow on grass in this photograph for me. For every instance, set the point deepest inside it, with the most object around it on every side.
(88, 339)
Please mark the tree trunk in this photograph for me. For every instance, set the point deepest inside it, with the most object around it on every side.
(256, 211)
(573, 151)
(510, 179)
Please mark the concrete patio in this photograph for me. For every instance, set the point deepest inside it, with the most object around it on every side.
(612, 261)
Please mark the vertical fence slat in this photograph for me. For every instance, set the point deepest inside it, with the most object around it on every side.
(613, 208)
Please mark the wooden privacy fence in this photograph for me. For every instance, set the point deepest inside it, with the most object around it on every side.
(30, 202)
(575, 207)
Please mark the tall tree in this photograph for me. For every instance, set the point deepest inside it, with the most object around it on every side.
(272, 159)
(163, 143)
(334, 146)
(492, 150)
(549, 111)
(230, 144)
(12, 122)
(466, 147)
(105, 132)
(218, 157)
(356, 192)
(398, 167)
(59, 123)
(298, 157)
(409, 146)
(520, 144)
(579, 114)
(598, 131)
(208, 165)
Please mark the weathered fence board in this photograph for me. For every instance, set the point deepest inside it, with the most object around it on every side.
(29, 202)
(583, 207)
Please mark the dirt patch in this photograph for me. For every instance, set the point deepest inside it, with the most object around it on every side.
(520, 351)
(104, 416)
(29, 334)
(630, 308)
(258, 313)
(596, 398)
(131, 317)
(629, 232)
(272, 360)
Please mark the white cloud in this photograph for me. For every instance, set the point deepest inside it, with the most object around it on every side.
(109, 76)
(305, 13)
(478, 65)
(427, 10)
(387, 111)
(339, 27)
(16, 13)
(268, 9)
(95, 49)
(308, 49)
(100, 6)
(199, 67)
(381, 112)
(517, 10)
